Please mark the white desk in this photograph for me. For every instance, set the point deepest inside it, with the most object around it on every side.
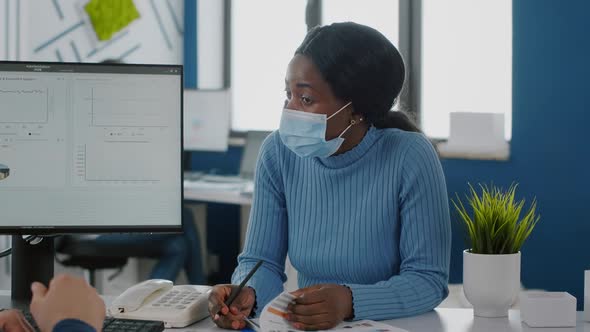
(439, 320)
(222, 193)
(217, 192)
(446, 320)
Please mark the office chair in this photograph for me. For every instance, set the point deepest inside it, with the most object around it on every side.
(82, 251)
(174, 252)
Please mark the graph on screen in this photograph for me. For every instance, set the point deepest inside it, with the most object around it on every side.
(117, 163)
(125, 108)
(24, 105)
(90, 144)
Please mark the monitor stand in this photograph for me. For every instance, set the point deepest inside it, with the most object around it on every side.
(30, 262)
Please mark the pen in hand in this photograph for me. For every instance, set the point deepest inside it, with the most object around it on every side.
(235, 291)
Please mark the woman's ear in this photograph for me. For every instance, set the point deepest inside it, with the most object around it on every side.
(357, 117)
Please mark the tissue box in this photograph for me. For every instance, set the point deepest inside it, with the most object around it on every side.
(478, 135)
(477, 129)
(548, 309)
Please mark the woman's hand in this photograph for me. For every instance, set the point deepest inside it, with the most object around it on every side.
(320, 307)
(232, 317)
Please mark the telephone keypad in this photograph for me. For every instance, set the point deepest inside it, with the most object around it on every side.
(177, 299)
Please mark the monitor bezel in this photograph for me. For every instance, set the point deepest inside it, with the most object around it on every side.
(63, 229)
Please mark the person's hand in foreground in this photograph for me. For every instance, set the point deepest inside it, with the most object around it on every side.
(67, 297)
(14, 321)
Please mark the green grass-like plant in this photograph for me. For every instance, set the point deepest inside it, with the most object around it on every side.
(496, 228)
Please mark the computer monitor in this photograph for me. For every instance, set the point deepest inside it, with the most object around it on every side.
(254, 141)
(91, 148)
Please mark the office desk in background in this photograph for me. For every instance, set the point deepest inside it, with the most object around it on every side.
(220, 189)
(232, 190)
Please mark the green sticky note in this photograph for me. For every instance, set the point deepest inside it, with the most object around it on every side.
(110, 16)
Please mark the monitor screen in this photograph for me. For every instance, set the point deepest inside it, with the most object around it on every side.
(254, 140)
(90, 147)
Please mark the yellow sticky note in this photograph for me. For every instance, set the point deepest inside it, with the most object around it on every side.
(110, 16)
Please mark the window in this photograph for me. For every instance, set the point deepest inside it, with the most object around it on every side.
(466, 61)
(264, 36)
(379, 14)
(262, 49)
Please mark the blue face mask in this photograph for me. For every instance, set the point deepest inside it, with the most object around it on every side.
(305, 133)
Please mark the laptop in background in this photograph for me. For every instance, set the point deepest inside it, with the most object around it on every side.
(254, 140)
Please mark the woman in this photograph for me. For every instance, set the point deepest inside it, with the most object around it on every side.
(348, 189)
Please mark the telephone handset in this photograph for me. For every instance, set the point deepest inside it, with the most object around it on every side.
(158, 299)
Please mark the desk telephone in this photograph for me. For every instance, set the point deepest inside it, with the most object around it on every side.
(158, 299)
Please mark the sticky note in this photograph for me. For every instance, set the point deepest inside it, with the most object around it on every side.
(110, 16)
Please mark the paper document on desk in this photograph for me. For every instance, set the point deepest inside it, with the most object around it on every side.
(273, 319)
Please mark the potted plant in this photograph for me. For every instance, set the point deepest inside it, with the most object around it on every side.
(496, 232)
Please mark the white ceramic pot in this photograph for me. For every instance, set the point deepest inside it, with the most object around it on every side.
(491, 282)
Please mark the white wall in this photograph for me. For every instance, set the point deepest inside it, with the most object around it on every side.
(210, 44)
(156, 37)
(9, 43)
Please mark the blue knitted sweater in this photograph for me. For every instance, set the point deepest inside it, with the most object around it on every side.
(375, 218)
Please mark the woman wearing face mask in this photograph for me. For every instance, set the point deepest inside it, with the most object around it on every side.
(349, 189)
